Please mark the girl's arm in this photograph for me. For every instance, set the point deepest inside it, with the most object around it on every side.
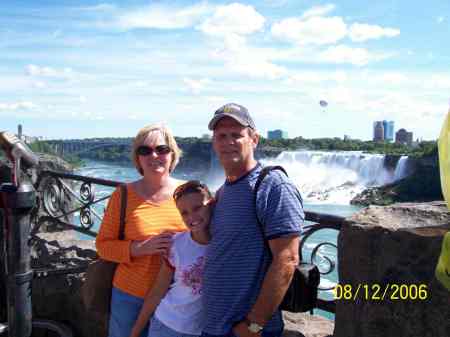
(154, 296)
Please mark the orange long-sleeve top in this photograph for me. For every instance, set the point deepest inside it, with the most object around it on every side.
(135, 275)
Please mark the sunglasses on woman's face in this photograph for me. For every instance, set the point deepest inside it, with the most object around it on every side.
(145, 150)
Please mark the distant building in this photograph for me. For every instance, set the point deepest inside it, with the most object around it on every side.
(404, 137)
(378, 131)
(388, 130)
(277, 134)
(347, 137)
(19, 131)
(206, 136)
(30, 139)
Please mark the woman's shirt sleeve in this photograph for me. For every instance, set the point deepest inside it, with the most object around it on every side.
(109, 247)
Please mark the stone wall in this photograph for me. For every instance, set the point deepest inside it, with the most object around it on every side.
(390, 247)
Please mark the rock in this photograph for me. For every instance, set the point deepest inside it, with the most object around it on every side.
(306, 325)
(57, 296)
(388, 248)
(46, 162)
(422, 185)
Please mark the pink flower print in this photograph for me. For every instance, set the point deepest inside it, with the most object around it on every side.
(192, 276)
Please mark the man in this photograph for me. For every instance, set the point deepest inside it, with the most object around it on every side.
(246, 275)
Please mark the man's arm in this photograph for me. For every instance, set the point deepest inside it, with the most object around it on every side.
(275, 284)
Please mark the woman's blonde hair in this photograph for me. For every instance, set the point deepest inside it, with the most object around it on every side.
(168, 137)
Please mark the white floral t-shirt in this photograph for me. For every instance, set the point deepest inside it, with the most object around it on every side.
(181, 308)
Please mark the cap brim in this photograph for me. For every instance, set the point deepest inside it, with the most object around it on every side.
(217, 118)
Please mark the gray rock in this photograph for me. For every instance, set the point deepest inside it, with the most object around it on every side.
(390, 248)
(57, 296)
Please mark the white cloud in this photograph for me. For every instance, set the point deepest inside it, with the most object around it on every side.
(360, 32)
(241, 59)
(103, 7)
(161, 17)
(37, 71)
(233, 19)
(57, 33)
(318, 11)
(23, 105)
(341, 95)
(257, 68)
(216, 99)
(317, 77)
(314, 30)
(437, 82)
(38, 84)
(391, 78)
(276, 3)
(343, 54)
(196, 86)
(82, 99)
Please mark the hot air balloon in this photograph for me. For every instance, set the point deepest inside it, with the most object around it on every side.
(323, 104)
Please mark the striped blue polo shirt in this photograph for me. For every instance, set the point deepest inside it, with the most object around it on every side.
(237, 258)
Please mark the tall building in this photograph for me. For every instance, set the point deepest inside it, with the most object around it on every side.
(388, 130)
(404, 137)
(378, 131)
(277, 134)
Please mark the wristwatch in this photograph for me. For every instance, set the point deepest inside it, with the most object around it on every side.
(253, 327)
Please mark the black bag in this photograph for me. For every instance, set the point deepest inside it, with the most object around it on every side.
(97, 288)
(301, 296)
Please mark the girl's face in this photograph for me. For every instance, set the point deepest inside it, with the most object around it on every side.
(195, 209)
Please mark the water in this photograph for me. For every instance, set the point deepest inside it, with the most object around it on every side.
(311, 172)
(337, 177)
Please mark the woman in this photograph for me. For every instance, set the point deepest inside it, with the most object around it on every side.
(150, 221)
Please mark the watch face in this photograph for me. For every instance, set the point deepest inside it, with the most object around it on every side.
(254, 327)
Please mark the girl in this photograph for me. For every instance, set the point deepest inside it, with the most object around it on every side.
(175, 300)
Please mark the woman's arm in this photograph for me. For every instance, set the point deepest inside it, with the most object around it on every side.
(110, 248)
(154, 297)
(108, 245)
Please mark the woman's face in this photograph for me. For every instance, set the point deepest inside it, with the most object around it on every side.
(156, 160)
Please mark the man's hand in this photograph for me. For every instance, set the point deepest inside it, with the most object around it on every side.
(241, 330)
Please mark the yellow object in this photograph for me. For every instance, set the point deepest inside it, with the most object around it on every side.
(443, 266)
(444, 159)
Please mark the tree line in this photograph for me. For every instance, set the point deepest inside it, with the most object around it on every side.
(122, 153)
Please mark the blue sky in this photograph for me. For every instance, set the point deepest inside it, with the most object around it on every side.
(80, 69)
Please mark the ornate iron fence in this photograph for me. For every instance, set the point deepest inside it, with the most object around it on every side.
(61, 195)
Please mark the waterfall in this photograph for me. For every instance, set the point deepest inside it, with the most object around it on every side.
(401, 168)
(336, 177)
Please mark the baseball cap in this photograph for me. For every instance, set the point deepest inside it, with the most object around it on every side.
(239, 113)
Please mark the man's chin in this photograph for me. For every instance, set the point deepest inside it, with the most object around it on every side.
(230, 161)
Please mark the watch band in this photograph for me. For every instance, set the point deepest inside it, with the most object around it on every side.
(253, 326)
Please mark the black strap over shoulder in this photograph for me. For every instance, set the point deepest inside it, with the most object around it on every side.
(264, 172)
(123, 209)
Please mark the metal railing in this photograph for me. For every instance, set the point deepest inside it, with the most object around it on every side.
(62, 195)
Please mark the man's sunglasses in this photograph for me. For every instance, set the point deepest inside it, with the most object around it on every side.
(145, 150)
